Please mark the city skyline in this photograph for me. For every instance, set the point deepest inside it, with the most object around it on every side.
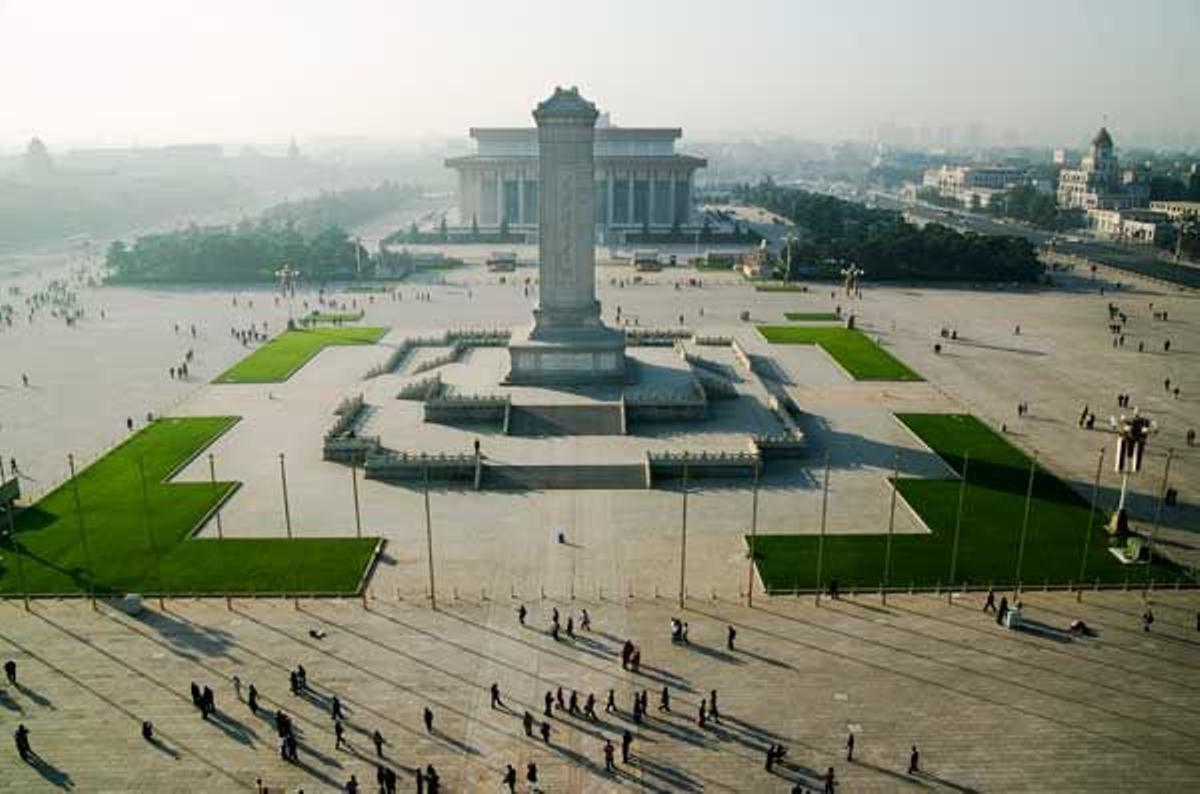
(930, 74)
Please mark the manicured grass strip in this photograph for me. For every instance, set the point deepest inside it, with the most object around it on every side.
(778, 288)
(993, 508)
(124, 551)
(279, 359)
(858, 354)
(811, 317)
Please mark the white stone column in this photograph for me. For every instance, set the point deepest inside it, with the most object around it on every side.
(521, 197)
(650, 199)
(671, 214)
(499, 197)
(608, 216)
(629, 183)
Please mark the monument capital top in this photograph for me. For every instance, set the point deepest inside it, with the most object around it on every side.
(566, 103)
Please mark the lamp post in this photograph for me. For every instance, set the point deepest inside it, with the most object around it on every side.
(287, 285)
(1162, 496)
(87, 552)
(887, 553)
(354, 489)
(1087, 538)
(824, 513)
(1025, 520)
(1132, 433)
(429, 542)
(287, 511)
(12, 539)
(962, 492)
(753, 535)
(212, 475)
(683, 539)
(150, 530)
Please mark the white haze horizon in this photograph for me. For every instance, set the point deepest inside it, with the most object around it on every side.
(124, 73)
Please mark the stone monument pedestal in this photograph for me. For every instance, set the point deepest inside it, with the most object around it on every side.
(568, 357)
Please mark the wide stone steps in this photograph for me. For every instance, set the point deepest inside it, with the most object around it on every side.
(597, 419)
(563, 477)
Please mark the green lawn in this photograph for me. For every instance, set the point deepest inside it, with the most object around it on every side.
(279, 359)
(125, 554)
(993, 510)
(855, 351)
(779, 288)
(812, 317)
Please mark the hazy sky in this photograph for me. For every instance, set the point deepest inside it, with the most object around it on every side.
(156, 71)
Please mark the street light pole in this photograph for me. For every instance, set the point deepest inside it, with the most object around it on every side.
(212, 474)
(354, 488)
(429, 542)
(683, 540)
(753, 536)
(887, 554)
(1087, 538)
(12, 539)
(287, 511)
(1025, 520)
(1162, 496)
(824, 513)
(150, 530)
(87, 552)
(962, 491)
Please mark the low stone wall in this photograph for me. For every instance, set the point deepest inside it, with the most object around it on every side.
(702, 465)
(423, 389)
(779, 446)
(646, 406)
(655, 337)
(409, 467)
(463, 409)
(342, 443)
(449, 357)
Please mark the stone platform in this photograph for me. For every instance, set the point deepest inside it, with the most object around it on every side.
(569, 357)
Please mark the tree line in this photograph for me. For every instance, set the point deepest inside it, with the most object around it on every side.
(307, 235)
(836, 233)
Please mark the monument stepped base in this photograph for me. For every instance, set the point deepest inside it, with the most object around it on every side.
(574, 357)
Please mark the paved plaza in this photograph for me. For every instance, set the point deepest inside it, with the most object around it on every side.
(989, 709)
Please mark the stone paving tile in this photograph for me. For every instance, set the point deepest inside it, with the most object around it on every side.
(990, 709)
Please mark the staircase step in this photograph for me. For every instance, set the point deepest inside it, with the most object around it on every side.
(597, 419)
(564, 477)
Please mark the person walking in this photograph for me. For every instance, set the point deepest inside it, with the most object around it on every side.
(521, 613)
(21, 737)
(585, 620)
(702, 718)
(545, 732)
(495, 691)
(377, 738)
(830, 782)
(989, 604)
(626, 743)
(571, 627)
(573, 707)
(527, 722)
(549, 704)
(589, 708)
(608, 756)
(510, 778)
(611, 705)
(664, 700)
(850, 748)
(730, 635)
(712, 706)
(10, 668)
(427, 715)
(335, 708)
(339, 733)
(252, 699)
(352, 785)
(1147, 619)
(914, 761)
(531, 775)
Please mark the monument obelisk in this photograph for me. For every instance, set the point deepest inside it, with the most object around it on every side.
(567, 344)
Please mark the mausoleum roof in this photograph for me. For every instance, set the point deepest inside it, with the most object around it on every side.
(566, 103)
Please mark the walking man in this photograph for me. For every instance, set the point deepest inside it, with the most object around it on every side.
(589, 708)
(611, 705)
(664, 700)
(21, 737)
(335, 708)
(527, 721)
(850, 748)
(10, 666)
(339, 733)
(626, 743)
(428, 717)
(510, 778)
(712, 706)
(730, 634)
(377, 738)
(990, 604)
(608, 756)
(545, 732)
(521, 613)
(252, 699)
(496, 704)
(549, 704)
(914, 761)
